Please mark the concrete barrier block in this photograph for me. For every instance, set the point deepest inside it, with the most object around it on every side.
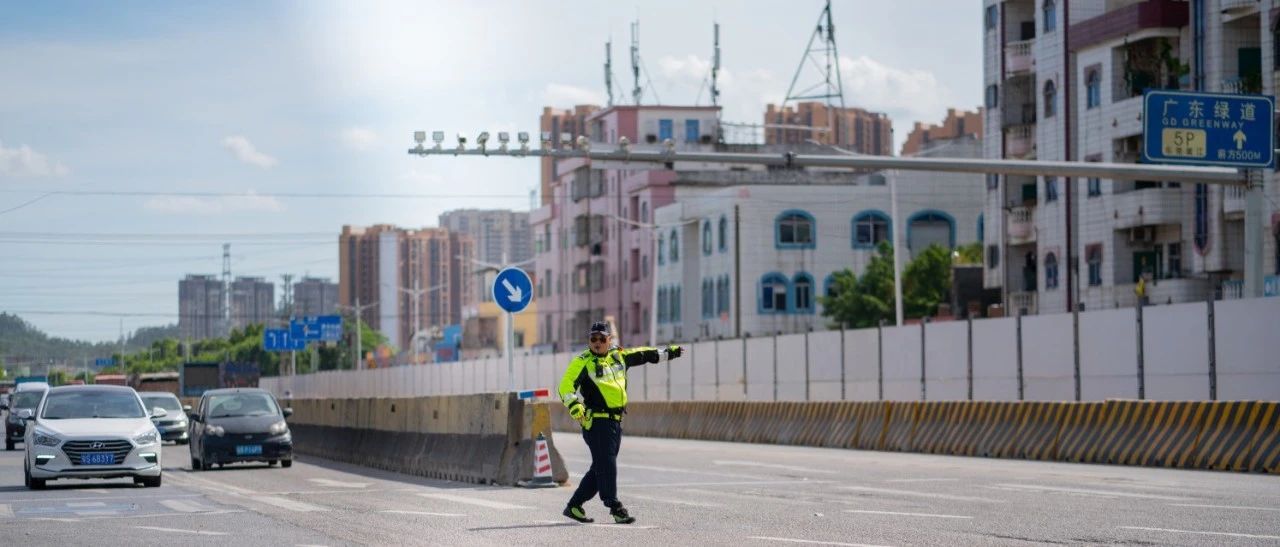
(900, 426)
(1232, 431)
(1082, 432)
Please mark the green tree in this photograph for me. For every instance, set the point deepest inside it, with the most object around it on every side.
(969, 254)
(864, 301)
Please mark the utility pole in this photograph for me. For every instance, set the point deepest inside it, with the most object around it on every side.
(897, 249)
(356, 351)
(288, 312)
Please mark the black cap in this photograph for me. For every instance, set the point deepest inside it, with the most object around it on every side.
(599, 327)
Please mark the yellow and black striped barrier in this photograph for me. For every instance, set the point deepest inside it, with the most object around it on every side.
(1227, 436)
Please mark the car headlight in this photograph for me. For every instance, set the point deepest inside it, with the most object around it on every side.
(149, 437)
(44, 438)
(216, 431)
(278, 428)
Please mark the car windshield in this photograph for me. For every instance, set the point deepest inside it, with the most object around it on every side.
(242, 404)
(25, 399)
(170, 404)
(70, 405)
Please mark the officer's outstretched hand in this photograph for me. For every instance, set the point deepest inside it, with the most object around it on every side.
(577, 410)
(674, 351)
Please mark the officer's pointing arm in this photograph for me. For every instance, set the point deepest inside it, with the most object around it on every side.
(635, 357)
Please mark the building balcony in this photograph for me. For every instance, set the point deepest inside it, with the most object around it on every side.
(1022, 225)
(1128, 20)
(1020, 142)
(1246, 85)
(1125, 116)
(1023, 303)
(1237, 9)
(1147, 207)
(1022, 113)
(1018, 57)
(1232, 289)
(1233, 202)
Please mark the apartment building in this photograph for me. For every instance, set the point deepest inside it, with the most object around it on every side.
(1064, 81)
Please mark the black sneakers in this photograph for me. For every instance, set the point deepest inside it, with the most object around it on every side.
(620, 515)
(576, 513)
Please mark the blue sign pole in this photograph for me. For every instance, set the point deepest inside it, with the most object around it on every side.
(513, 291)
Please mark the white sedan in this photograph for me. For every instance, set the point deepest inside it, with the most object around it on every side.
(91, 432)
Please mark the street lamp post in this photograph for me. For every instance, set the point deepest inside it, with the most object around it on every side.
(357, 310)
(417, 294)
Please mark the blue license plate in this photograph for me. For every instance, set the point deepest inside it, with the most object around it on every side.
(98, 458)
(249, 450)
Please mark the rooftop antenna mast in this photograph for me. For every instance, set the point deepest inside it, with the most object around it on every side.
(226, 289)
(636, 91)
(822, 52)
(715, 68)
(608, 69)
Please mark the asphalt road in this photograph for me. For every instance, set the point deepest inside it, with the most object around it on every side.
(682, 492)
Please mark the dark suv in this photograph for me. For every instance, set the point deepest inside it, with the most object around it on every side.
(15, 428)
(239, 425)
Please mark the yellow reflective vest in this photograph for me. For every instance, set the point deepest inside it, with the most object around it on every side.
(601, 380)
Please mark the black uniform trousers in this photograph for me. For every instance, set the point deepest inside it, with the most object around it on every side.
(604, 439)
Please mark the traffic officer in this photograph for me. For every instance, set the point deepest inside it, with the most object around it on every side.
(594, 389)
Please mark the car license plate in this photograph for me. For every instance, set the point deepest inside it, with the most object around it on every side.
(249, 450)
(98, 458)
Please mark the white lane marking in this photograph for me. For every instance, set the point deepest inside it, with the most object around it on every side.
(728, 483)
(1113, 493)
(339, 484)
(1275, 509)
(5, 511)
(423, 513)
(131, 497)
(1225, 534)
(289, 504)
(922, 480)
(913, 493)
(664, 469)
(183, 506)
(95, 490)
(749, 497)
(179, 531)
(86, 504)
(146, 516)
(677, 502)
(600, 525)
(812, 542)
(183, 478)
(896, 513)
(473, 501)
(775, 466)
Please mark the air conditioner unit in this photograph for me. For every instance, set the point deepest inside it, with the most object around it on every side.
(651, 138)
(1144, 235)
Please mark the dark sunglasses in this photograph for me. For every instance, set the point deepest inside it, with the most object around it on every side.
(599, 339)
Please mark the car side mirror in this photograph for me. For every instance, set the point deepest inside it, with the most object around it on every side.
(186, 408)
(26, 414)
(195, 418)
(158, 412)
(288, 412)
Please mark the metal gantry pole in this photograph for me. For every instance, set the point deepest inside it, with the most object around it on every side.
(897, 249)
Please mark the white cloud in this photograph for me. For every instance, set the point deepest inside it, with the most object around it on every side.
(25, 162)
(191, 205)
(245, 152)
(359, 138)
(564, 96)
(908, 96)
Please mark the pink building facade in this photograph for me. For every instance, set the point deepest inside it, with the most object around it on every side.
(592, 252)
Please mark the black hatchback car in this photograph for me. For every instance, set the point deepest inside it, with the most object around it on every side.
(239, 425)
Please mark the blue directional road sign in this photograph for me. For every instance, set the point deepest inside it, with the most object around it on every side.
(281, 340)
(512, 290)
(1271, 285)
(327, 328)
(1208, 129)
(104, 362)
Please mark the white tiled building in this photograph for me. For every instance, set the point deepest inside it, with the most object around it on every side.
(1064, 81)
(755, 249)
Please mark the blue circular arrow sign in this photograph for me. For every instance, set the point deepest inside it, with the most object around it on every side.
(512, 290)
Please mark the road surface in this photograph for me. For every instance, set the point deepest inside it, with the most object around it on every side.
(682, 492)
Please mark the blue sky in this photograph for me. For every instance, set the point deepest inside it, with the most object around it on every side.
(176, 123)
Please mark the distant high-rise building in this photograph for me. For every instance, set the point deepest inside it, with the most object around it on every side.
(854, 129)
(555, 123)
(200, 307)
(497, 234)
(383, 263)
(957, 125)
(253, 302)
(314, 296)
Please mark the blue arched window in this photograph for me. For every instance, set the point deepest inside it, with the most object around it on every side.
(662, 250)
(982, 228)
(870, 227)
(773, 293)
(708, 299)
(926, 227)
(675, 247)
(724, 233)
(829, 285)
(795, 229)
(802, 287)
(706, 238)
(722, 295)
